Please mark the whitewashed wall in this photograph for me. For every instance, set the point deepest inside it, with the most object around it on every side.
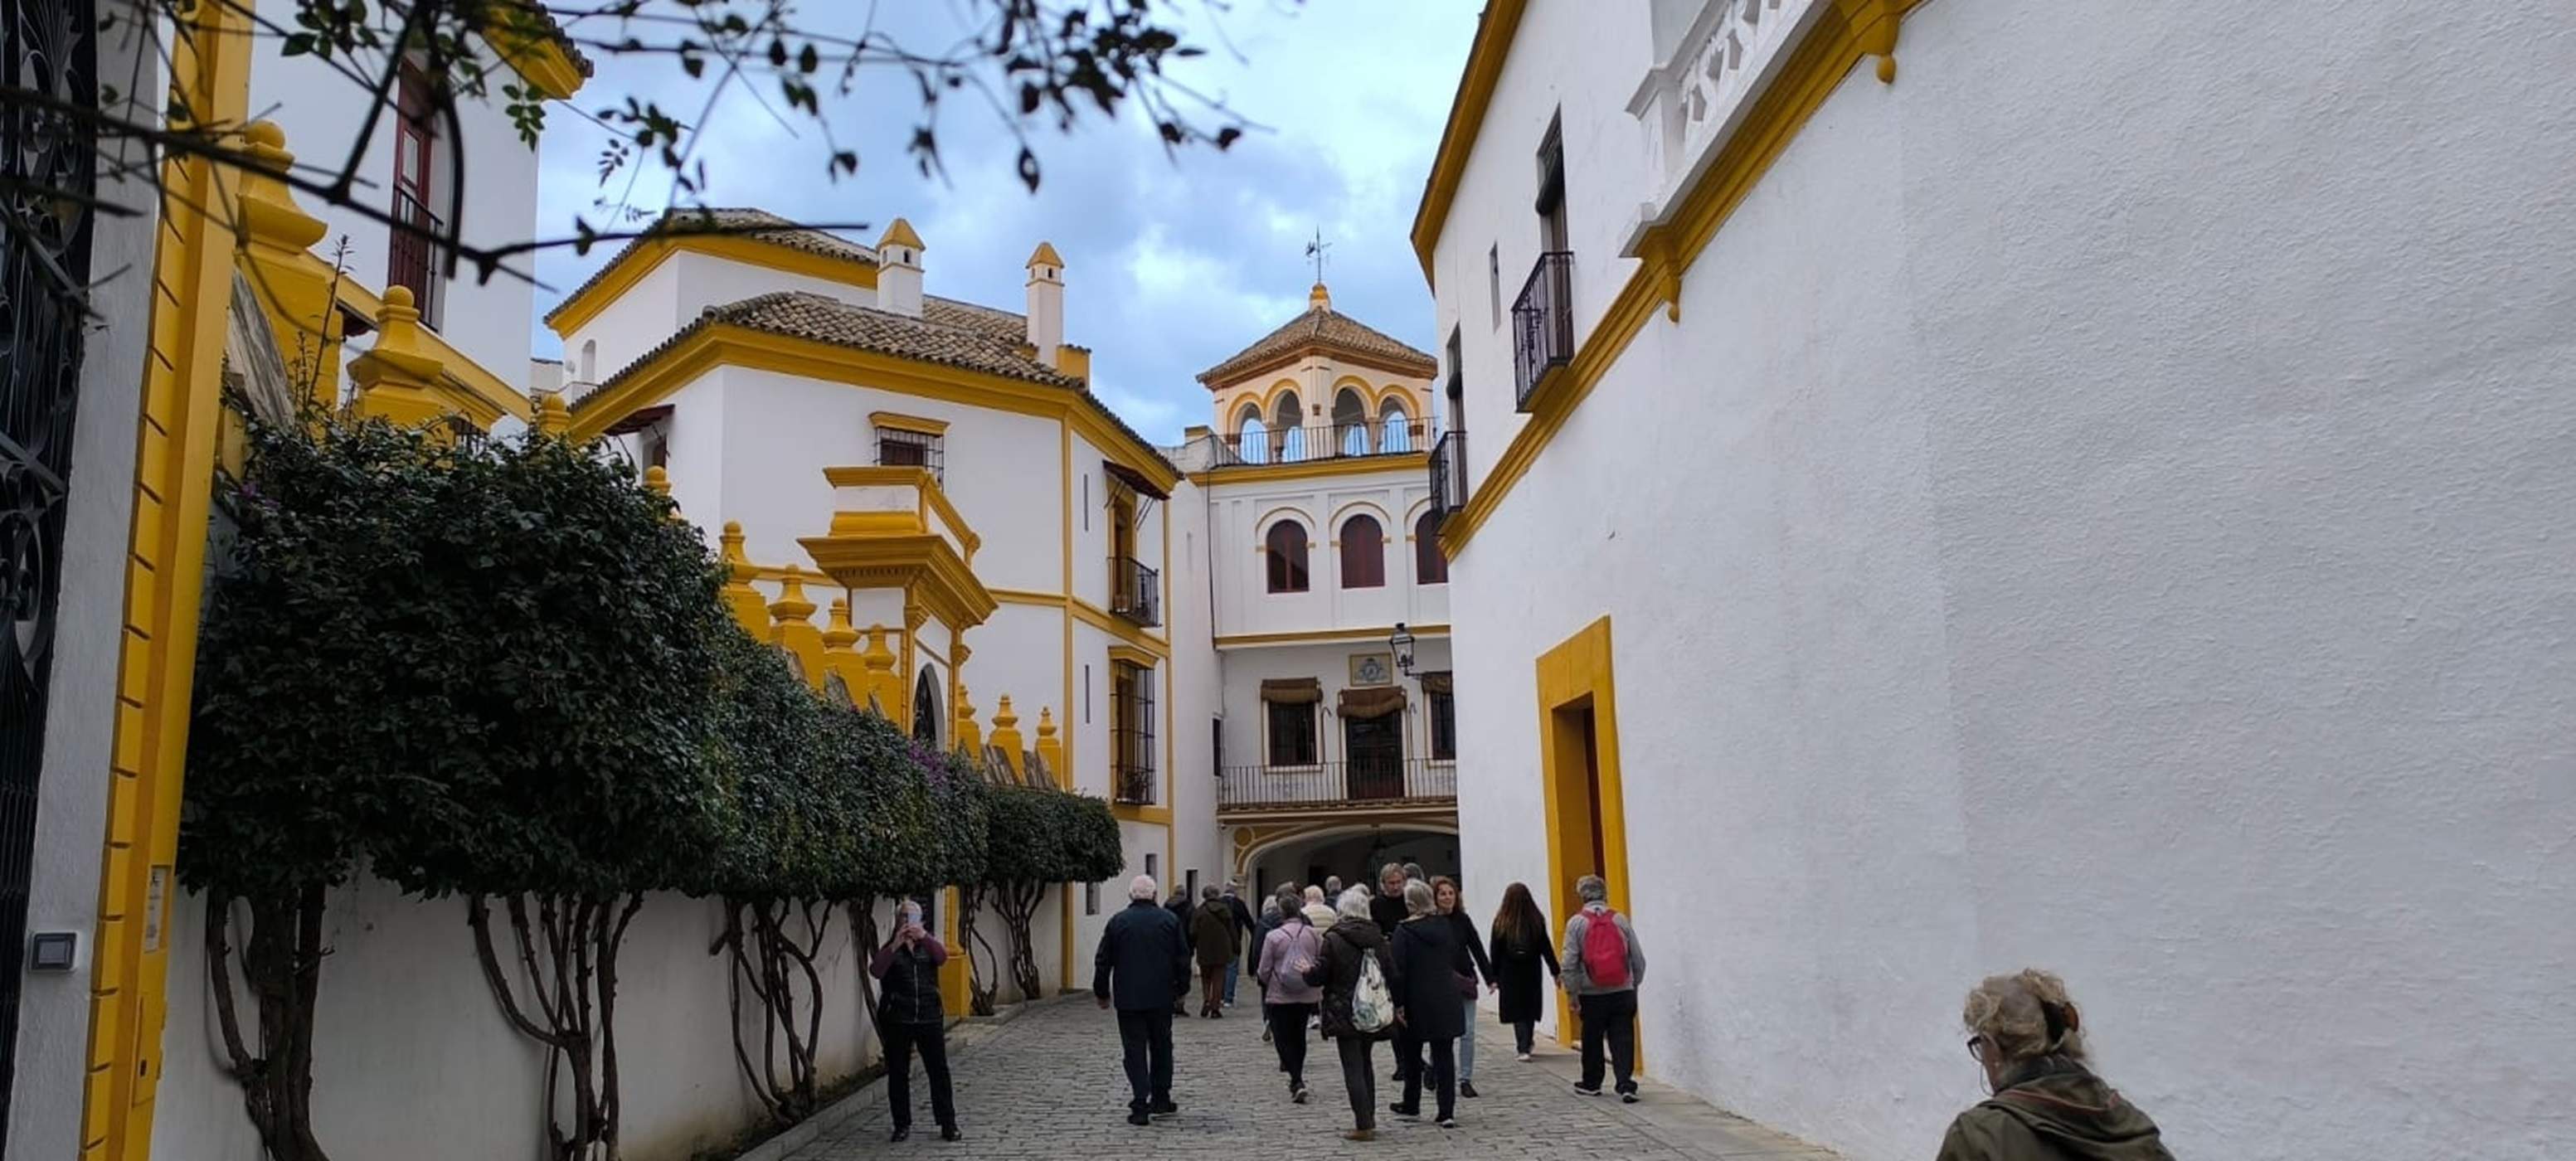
(1246, 725)
(321, 109)
(1240, 516)
(2104, 508)
(673, 294)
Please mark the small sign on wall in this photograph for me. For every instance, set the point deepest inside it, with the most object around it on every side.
(1372, 668)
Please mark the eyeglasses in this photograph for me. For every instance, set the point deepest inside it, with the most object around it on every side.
(1977, 1048)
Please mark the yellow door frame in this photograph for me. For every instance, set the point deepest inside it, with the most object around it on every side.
(1573, 678)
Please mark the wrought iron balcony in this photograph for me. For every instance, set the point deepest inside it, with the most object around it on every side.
(1542, 324)
(1136, 785)
(414, 254)
(1448, 475)
(1136, 592)
(1379, 782)
(1255, 444)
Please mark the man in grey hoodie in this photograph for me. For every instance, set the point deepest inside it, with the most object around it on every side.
(1602, 969)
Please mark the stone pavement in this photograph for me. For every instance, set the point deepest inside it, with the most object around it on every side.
(1048, 1085)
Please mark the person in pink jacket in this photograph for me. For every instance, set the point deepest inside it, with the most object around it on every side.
(1288, 999)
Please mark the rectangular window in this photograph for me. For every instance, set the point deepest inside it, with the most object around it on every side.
(1194, 887)
(1131, 732)
(1292, 733)
(1444, 717)
(1457, 386)
(1494, 280)
(413, 249)
(1551, 190)
(1091, 898)
(1153, 867)
(898, 448)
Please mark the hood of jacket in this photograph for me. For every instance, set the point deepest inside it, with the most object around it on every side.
(2073, 1111)
(1364, 936)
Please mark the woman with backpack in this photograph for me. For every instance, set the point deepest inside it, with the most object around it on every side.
(1433, 973)
(2027, 1036)
(1359, 1007)
(1519, 948)
(1603, 966)
(1287, 999)
(1453, 907)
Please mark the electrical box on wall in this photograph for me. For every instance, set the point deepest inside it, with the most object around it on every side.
(53, 951)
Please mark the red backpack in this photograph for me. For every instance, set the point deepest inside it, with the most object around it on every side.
(1605, 950)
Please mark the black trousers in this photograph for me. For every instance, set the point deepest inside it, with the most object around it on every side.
(1443, 1069)
(901, 1040)
(1524, 1035)
(1610, 1017)
(1146, 1037)
(1288, 1037)
(1359, 1075)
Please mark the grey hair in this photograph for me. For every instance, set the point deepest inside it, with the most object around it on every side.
(1591, 889)
(1332, 884)
(2024, 1016)
(1314, 894)
(1354, 904)
(1208, 892)
(1413, 870)
(1270, 909)
(1142, 887)
(1395, 869)
(1419, 899)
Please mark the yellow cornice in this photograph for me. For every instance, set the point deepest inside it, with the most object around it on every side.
(1239, 377)
(646, 255)
(1328, 636)
(726, 344)
(1150, 815)
(1466, 118)
(1312, 469)
(475, 392)
(924, 565)
(933, 497)
(912, 423)
(1133, 656)
(1136, 639)
(536, 53)
(1848, 31)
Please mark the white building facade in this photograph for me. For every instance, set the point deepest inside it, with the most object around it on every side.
(1972, 484)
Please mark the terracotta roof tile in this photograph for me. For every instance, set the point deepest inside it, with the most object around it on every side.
(1320, 327)
(756, 225)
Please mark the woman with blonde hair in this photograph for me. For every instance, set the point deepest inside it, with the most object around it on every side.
(2047, 1104)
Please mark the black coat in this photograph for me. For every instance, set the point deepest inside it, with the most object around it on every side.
(1387, 911)
(1143, 954)
(1463, 927)
(1337, 971)
(1516, 967)
(1429, 961)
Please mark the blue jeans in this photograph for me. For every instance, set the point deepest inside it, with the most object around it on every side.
(1233, 969)
(1467, 1046)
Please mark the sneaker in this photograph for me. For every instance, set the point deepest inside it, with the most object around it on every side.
(900, 1133)
(1166, 1108)
(950, 1133)
(1359, 1134)
(1448, 1122)
(1298, 1094)
(1525, 1058)
(1582, 1089)
(1139, 1118)
(1466, 1088)
(1629, 1097)
(1408, 1113)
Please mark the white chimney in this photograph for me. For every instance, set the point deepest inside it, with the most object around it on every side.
(1046, 303)
(899, 270)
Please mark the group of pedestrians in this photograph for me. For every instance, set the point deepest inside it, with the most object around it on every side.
(1404, 963)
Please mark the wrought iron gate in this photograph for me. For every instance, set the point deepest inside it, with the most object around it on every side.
(47, 166)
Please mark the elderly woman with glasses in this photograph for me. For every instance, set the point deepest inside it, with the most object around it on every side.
(2046, 1105)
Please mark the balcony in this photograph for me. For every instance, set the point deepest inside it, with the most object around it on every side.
(1368, 783)
(1542, 324)
(1390, 436)
(1448, 475)
(414, 255)
(1135, 592)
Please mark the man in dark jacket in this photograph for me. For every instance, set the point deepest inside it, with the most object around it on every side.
(1244, 928)
(1179, 906)
(1144, 962)
(1386, 908)
(910, 1016)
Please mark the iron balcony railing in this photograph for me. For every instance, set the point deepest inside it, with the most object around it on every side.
(1255, 444)
(414, 255)
(1136, 592)
(1542, 324)
(1361, 782)
(1448, 475)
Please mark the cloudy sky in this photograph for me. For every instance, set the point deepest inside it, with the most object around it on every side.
(1172, 262)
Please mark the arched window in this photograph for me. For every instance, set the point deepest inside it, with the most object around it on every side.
(925, 708)
(1286, 546)
(1430, 567)
(1287, 436)
(1363, 553)
(1350, 424)
(1252, 438)
(588, 372)
(1395, 428)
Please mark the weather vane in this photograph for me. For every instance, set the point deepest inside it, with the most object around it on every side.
(1315, 250)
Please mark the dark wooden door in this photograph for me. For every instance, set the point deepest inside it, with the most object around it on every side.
(1374, 748)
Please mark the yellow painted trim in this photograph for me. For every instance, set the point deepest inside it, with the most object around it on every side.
(1064, 461)
(164, 585)
(1134, 656)
(1816, 66)
(1148, 815)
(1362, 387)
(1140, 640)
(1385, 523)
(536, 54)
(1261, 524)
(1325, 636)
(1170, 710)
(476, 393)
(1578, 674)
(726, 345)
(934, 498)
(912, 423)
(1476, 83)
(647, 255)
(1329, 466)
(1270, 401)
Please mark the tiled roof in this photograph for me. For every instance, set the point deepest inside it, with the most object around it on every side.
(1321, 326)
(554, 31)
(949, 333)
(756, 225)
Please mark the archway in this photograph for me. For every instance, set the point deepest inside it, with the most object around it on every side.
(1271, 854)
(1350, 424)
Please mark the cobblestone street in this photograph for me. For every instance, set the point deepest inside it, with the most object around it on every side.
(1048, 1085)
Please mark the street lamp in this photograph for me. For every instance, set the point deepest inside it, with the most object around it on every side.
(1401, 641)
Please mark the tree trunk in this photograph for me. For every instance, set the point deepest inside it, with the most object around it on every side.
(282, 966)
(568, 955)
